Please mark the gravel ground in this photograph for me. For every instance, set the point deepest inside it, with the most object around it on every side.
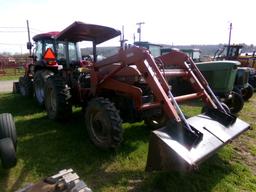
(6, 86)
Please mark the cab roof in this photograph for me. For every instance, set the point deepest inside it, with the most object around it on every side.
(79, 31)
(49, 35)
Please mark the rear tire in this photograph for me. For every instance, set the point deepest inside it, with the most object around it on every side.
(26, 86)
(103, 123)
(7, 128)
(235, 103)
(7, 153)
(57, 98)
(39, 83)
(247, 92)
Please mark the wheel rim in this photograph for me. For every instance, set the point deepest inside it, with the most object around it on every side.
(98, 126)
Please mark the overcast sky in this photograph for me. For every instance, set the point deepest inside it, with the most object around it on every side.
(166, 21)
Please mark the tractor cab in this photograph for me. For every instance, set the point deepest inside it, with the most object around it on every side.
(58, 54)
(65, 44)
(66, 52)
(192, 53)
(228, 52)
(155, 49)
(247, 60)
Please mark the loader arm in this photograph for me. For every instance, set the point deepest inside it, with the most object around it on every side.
(150, 72)
(183, 143)
(190, 72)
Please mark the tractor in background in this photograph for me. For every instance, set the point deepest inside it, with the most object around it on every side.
(220, 75)
(248, 64)
(131, 86)
(192, 53)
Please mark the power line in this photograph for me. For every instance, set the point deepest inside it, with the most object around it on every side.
(13, 31)
(17, 32)
(33, 29)
(12, 44)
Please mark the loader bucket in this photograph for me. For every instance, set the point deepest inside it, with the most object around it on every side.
(169, 152)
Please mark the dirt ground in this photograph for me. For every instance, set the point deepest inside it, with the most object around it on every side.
(6, 86)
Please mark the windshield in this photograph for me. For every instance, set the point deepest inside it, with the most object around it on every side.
(67, 51)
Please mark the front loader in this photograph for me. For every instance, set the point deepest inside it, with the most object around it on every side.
(181, 144)
(130, 86)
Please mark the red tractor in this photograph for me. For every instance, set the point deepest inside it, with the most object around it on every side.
(129, 86)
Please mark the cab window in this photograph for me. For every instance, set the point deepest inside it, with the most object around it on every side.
(39, 50)
(61, 53)
(72, 52)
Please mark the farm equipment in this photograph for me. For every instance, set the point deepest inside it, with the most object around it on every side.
(53, 47)
(193, 53)
(154, 49)
(129, 86)
(242, 85)
(248, 62)
(64, 181)
(221, 76)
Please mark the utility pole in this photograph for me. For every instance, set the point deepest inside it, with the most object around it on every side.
(229, 39)
(29, 45)
(122, 40)
(139, 29)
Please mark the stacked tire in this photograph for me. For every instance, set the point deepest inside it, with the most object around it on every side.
(8, 141)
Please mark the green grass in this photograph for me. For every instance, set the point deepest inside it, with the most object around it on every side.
(12, 74)
(45, 147)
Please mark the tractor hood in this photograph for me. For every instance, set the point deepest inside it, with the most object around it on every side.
(79, 31)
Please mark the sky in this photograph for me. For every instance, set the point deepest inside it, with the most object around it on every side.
(175, 22)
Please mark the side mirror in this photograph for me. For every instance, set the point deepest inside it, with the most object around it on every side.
(29, 45)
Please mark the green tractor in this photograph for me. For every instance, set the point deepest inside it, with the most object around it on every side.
(246, 80)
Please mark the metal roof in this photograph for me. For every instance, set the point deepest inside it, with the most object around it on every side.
(49, 35)
(79, 31)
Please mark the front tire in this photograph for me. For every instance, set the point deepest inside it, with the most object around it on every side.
(103, 123)
(247, 92)
(26, 86)
(235, 103)
(39, 83)
(57, 98)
